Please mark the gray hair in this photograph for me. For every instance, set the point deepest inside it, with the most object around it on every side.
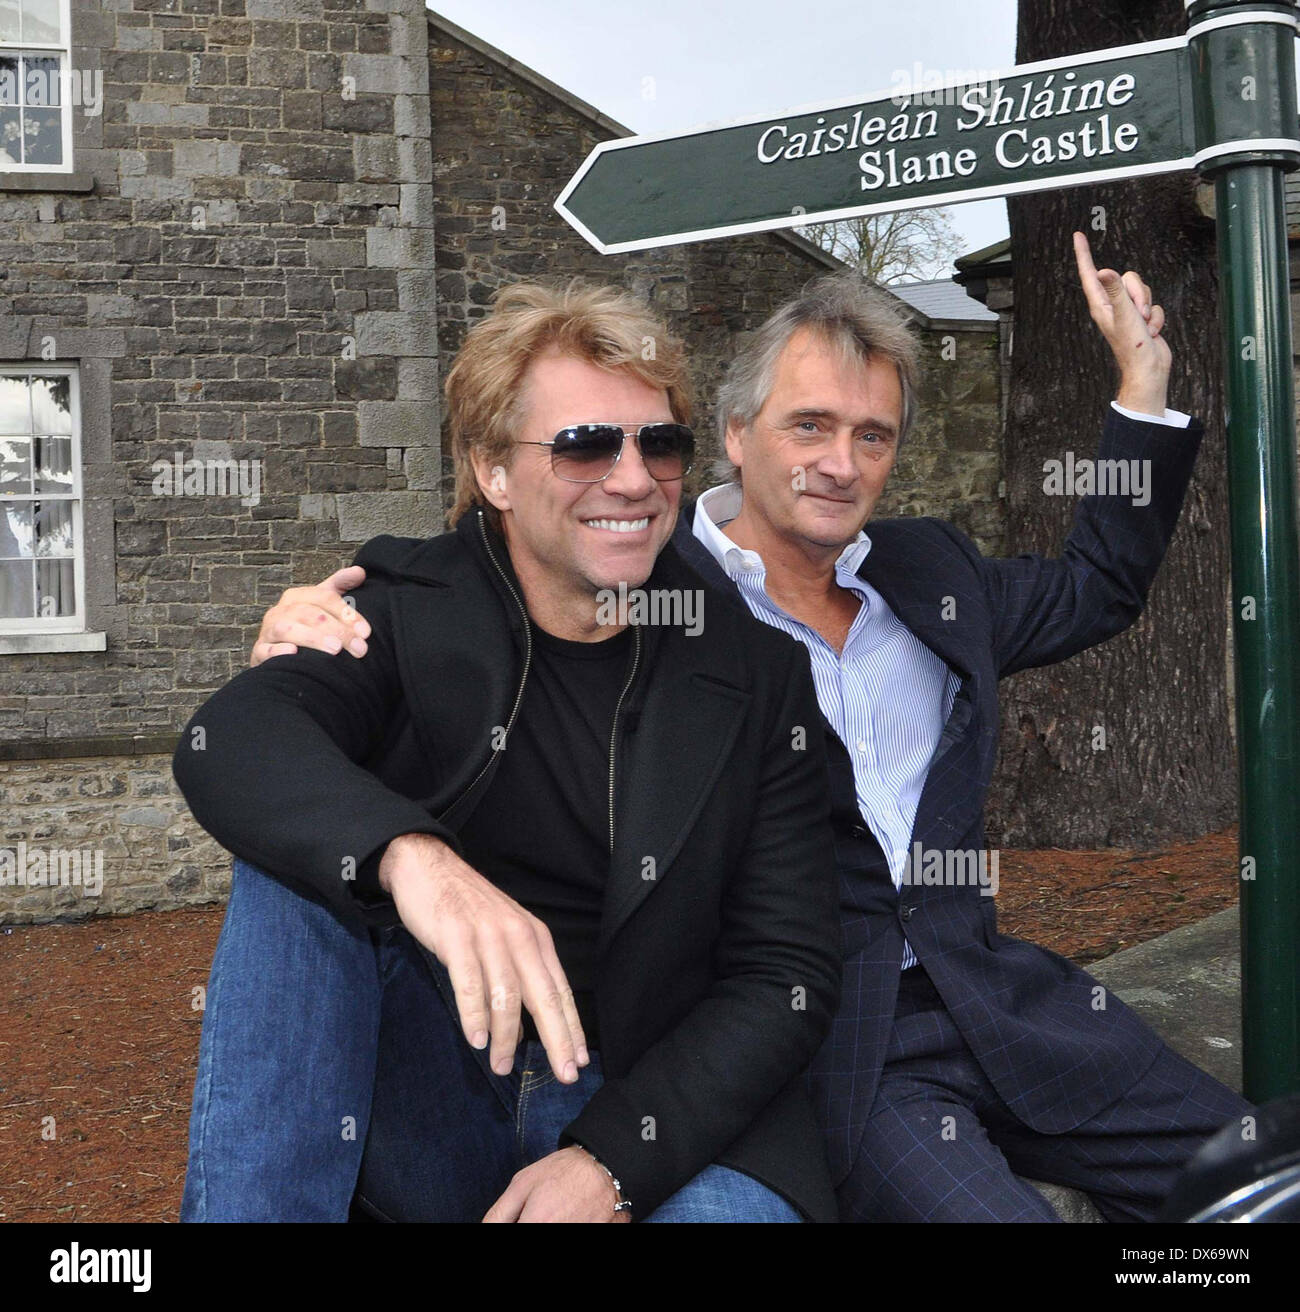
(845, 310)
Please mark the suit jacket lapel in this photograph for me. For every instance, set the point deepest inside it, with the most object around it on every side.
(672, 752)
(460, 671)
(916, 592)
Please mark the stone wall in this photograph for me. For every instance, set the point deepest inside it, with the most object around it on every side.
(113, 835)
(239, 268)
(951, 464)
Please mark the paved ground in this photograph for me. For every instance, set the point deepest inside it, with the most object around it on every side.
(1187, 985)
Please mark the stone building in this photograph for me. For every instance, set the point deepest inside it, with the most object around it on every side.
(240, 242)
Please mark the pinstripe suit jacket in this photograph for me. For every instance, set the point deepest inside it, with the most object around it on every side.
(1055, 1045)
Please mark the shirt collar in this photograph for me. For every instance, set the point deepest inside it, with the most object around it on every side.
(720, 505)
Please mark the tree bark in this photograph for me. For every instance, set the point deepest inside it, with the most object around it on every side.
(1159, 692)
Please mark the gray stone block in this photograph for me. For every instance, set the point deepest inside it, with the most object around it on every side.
(375, 159)
(417, 380)
(416, 208)
(409, 35)
(149, 816)
(415, 159)
(411, 116)
(389, 74)
(327, 254)
(383, 332)
(148, 188)
(282, 9)
(368, 193)
(364, 515)
(205, 158)
(154, 113)
(400, 248)
(138, 38)
(394, 423)
(421, 466)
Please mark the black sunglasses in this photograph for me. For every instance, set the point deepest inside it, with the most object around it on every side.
(587, 453)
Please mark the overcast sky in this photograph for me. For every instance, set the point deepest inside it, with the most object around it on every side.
(666, 65)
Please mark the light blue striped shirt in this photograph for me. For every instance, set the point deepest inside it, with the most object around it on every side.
(887, 695)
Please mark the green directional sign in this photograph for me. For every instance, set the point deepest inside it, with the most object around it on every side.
(1103, 115)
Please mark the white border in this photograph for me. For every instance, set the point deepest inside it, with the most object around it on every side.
(76, 622)
(894, 92)
(884, 207)
(1234, 20)
(1246, 144)
(65, 123)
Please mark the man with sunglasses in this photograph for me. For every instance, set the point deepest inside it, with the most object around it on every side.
(960, 1060)
(531, 918)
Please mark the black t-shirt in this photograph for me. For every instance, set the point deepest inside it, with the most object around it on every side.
(541, 831)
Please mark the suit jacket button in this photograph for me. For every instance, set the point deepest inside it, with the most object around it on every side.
(859, 831)
(906, 912)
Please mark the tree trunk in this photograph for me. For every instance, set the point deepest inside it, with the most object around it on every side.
(1165, 768)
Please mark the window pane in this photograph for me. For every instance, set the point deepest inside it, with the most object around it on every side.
(16, 406)
(9, 84)
(15, 466)
(41, 22)
(15, 530)
(53, 471)
(40, 81)
(17, 597)
(51, 405)
(43, 133)
(53, 524)
(11, 147)
(55, 588)
(8, 20)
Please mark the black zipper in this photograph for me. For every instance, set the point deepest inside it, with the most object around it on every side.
(613, 732)
(519, 695)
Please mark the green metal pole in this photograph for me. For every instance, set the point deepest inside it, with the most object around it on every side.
(1255, 320)
(1255, 306)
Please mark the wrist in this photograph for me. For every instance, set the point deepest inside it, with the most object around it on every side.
(620, 1201)
(1148, 396)
(409, 854)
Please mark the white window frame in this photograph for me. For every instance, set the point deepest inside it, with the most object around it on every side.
(76, 622)
(62, 52)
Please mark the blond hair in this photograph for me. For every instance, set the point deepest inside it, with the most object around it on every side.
(605, 326)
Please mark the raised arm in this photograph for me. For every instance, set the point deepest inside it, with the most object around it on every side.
(1047, 609)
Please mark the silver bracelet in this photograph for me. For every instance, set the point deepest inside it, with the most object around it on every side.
(621, 1204)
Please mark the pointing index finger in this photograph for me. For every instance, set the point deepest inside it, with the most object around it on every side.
(1091, 283)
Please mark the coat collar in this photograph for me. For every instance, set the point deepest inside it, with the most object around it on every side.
(901, 566)
(904, 577)
(457, 627)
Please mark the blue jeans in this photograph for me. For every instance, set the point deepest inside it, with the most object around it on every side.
(332, 1064)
